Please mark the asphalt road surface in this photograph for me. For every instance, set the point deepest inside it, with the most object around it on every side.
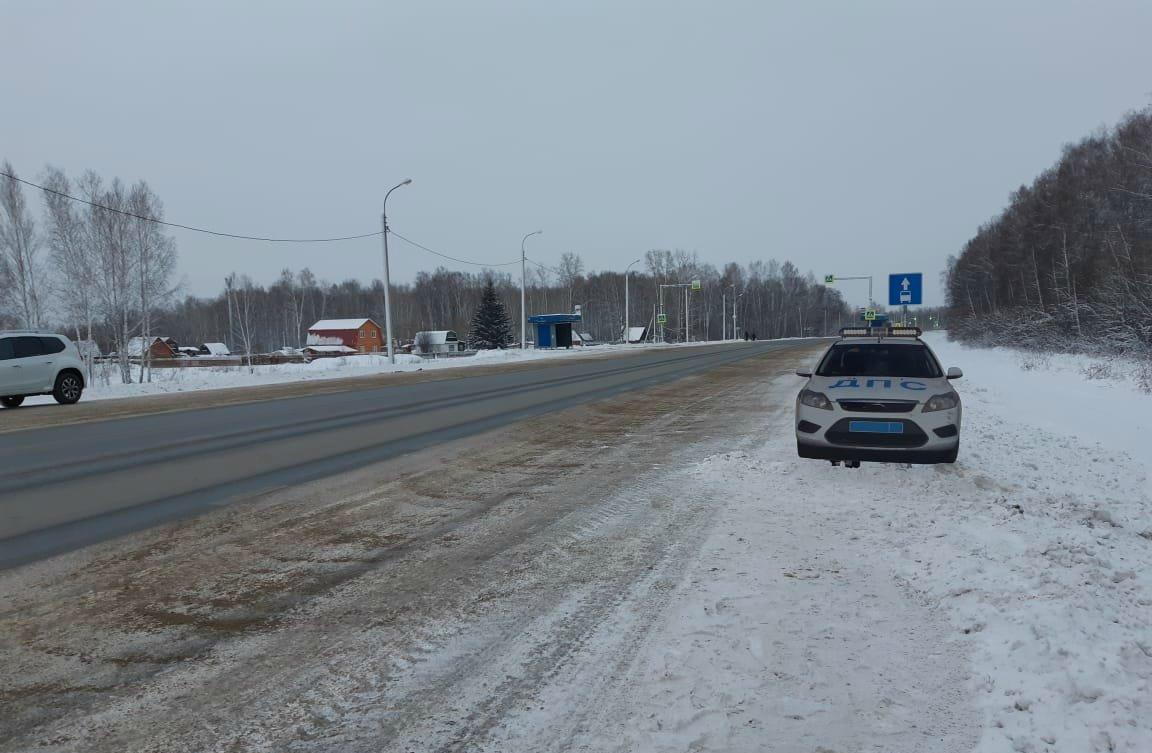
(68, 486)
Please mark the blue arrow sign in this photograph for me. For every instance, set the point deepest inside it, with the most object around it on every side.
(906, 290)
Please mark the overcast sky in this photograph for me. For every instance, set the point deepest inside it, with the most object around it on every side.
(850, 137)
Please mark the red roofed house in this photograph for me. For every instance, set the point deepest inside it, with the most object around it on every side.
(362, 335)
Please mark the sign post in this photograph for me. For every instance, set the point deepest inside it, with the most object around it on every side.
(833, 279)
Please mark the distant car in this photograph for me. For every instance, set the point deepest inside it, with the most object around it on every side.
(39, 363)
(879, 394)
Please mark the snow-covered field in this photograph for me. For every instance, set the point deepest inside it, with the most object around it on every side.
(1034, 552)
(165, 381)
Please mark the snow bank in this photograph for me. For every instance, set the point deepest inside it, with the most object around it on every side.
(1035, 550)
(222, 377)
(1095, 400)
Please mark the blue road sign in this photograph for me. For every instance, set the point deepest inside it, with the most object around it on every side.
(906, 290)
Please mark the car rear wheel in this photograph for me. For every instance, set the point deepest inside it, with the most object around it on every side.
(12, 402)
(68, 388)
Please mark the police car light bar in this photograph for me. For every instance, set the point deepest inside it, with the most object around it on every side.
(882, 331)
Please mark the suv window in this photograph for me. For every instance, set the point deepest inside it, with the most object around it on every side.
(26, 347)
(880, 360)
(51, 345)
(5, 348)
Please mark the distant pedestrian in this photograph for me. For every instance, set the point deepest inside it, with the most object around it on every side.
(753, 337)
(745, 335)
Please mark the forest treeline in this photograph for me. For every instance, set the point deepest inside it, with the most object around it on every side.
(100, 270)
(1067, 266)
(773, 300)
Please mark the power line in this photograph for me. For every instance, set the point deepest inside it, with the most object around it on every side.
(544, 266)
(446, 256)
(187, 227)
(248, 237)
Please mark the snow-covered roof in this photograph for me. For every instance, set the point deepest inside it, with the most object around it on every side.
(437, 337)
(136, 345)
(217, 349)
(332, 324)
(636, 334)
(330, 349)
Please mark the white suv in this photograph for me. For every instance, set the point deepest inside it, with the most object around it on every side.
(39, 363)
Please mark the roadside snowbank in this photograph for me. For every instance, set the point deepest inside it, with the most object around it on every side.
(222, 377)
(1095, 400)
(1034, 552)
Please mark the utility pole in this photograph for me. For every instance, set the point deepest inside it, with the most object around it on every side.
(387, 280)
(833, 279)
(723, 318)
(735, 331)
(627, 330)
(688, 286)
(523, 286)
(660, 290)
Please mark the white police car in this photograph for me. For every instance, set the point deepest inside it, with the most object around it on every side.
(879, 394)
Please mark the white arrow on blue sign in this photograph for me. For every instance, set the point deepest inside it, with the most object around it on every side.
(906, 289)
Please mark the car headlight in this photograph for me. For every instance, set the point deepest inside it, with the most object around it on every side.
(815, 399)
(942, 402)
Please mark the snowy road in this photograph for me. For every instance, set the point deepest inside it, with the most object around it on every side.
(127, 474)
(657, 572)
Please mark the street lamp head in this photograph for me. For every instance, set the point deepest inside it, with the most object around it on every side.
(406, 181)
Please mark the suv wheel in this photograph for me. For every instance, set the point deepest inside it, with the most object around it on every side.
(12, 402)
(68, 388)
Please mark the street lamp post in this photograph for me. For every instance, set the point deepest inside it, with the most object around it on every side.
(387, 280)
(735, 336)
(627, 331)
(724, 312)
(523, 287)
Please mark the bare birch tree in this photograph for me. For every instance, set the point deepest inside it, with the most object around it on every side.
(154, 258)
(115, 264)
(242, 307)
(72, 251)
(20, 246)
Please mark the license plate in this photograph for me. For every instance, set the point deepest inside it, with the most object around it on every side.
(876, 427)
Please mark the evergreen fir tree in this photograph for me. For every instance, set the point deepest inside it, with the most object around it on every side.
(490, 326)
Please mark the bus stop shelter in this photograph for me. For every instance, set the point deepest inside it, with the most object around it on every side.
(554, 330)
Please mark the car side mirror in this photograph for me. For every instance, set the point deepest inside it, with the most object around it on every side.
(804, 372)
(954, 373)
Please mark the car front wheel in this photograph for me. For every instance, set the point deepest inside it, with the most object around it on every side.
(12, 402)
(68, 388)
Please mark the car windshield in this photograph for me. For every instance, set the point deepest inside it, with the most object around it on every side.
(880, 359)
